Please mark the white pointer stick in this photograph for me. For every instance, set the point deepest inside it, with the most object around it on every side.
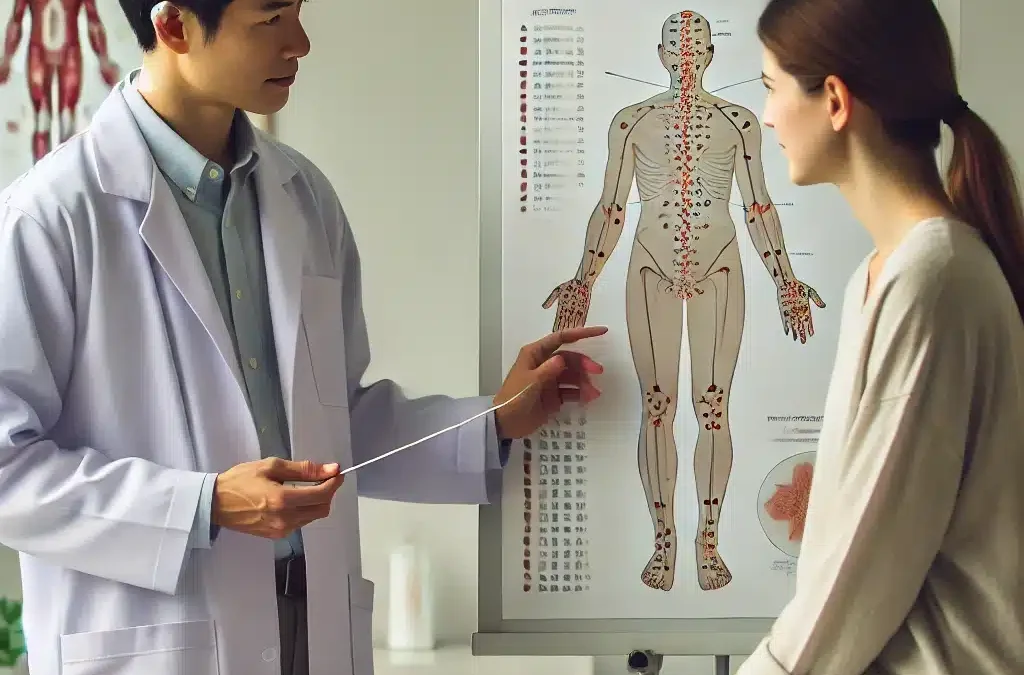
(436, 433)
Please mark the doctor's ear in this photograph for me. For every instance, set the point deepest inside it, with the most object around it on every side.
(168, 22)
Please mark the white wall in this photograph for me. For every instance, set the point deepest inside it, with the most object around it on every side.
(386, 105)
(991, 52)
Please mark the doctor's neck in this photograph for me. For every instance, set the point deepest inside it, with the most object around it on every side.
(203, 123)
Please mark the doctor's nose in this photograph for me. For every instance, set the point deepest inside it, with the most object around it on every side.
(298, 44)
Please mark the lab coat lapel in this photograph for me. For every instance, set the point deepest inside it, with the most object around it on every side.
(126, 169)
(166, 234)
(282, 224)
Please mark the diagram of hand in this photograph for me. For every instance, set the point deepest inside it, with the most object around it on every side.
(573, 304)
(553, 376)
(795, 299)
(5, 70)
(109, 72)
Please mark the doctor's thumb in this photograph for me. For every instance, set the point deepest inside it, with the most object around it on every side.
(550, 370)
(304, 471)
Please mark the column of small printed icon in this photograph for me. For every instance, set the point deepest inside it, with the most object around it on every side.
(527, 499)
(523, 159)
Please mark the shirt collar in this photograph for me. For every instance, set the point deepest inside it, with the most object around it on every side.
(200, 179)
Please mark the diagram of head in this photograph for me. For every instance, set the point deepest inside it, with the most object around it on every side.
(686, 49)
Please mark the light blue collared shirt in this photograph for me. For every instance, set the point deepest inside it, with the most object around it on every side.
(222, 213)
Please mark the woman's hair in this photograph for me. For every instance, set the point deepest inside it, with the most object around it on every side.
(895, 56)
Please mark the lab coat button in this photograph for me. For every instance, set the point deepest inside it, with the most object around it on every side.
(269, 654)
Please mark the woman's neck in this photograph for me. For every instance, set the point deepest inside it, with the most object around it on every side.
(890, 194)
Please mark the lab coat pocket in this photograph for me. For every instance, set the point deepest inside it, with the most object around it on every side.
(325, 336)
(360, 594)
(164, 649)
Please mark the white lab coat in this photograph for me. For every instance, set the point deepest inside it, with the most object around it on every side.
(106, 433)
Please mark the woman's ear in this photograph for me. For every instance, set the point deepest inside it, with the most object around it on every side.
(838, 101)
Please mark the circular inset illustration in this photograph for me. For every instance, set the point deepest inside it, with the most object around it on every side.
(782, 502)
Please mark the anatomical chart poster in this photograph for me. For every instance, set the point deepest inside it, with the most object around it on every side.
(59, 60)
(642, 191)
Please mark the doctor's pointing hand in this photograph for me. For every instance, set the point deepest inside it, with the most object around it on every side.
(554, 376)
(255, 498)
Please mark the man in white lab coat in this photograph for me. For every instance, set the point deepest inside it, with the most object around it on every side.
(181, 339)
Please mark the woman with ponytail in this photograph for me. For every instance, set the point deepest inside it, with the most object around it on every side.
(912, 561)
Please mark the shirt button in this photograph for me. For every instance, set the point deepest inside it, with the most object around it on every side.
(269, 654)
(263, 430)
(238, 294)
(253, 364)
(214, 174)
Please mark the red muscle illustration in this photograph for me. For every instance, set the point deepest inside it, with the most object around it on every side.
(54, 49)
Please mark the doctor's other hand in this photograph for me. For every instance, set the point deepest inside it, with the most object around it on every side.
(252, 498)
(555, 377)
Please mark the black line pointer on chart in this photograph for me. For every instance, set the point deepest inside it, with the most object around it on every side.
(663, 86)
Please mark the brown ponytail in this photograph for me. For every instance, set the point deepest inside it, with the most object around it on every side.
(895, 56)
(985, 193)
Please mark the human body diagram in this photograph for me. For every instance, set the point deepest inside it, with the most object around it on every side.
(54, 52)
(684, 147)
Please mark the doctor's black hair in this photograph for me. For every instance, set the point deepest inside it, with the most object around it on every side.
(207, 12)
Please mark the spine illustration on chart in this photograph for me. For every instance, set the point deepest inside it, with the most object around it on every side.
(683, 147)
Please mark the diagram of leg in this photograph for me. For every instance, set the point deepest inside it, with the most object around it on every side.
(783, 502)
(40, 84)
(69, 90)
(715, 328)
(654, 317)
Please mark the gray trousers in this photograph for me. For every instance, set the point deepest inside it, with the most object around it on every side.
(291, 613)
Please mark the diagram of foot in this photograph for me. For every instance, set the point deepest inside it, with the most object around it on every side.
(783, 499)
(684, 147)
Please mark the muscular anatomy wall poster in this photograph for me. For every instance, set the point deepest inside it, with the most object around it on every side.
(59, 59)
(643, 192)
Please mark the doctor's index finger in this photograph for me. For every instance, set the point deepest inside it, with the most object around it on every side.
(547, 345)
